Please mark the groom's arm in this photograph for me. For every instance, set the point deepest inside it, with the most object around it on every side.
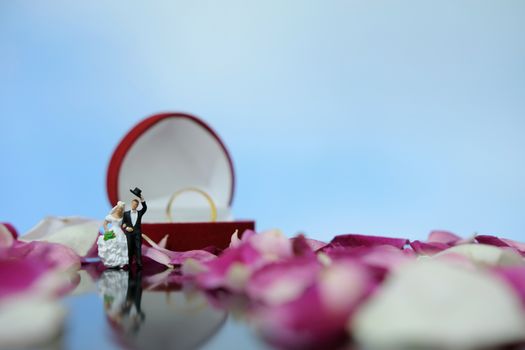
(144, 206)
(126, 224)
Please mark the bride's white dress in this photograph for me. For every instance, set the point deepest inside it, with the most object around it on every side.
(113, 252)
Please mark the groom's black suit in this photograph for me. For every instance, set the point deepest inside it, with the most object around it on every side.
(134, 237)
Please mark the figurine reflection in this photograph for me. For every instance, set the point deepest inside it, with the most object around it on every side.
(122, 294)
(134, 316)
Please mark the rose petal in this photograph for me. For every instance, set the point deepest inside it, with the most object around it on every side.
(272, 244)
(30, 323)
(6, 237)
(501, 242)
(423, 248)
(37, 268)
(302, 246)
(316, 318)
(162, 243)
(235, 240)
(171, 258)
(514, 276)
(10, 228)
(156, 255)
(301, 324)
(232, 269)
(225, 271)
(80, 234)
(283, 281)
(444, 237)
(18, 275)
(430, 303)
(380, 258)
(355, 240)
(482, 254)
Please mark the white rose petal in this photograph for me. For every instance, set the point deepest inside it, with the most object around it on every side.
(483, 254)
(432, 303)
(30, 322)
(78, 233)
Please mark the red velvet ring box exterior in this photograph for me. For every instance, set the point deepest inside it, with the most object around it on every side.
(166, 153)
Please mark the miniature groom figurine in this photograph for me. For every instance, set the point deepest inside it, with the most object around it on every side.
(132, 224)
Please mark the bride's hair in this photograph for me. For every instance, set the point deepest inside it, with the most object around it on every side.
(120, 204)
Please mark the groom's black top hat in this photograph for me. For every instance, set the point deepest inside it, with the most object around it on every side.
(136, 191)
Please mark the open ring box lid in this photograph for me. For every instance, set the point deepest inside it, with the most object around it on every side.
(169, 152)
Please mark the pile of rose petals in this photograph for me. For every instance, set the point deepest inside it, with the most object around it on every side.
(376, 292)
(36, 271)
(379, 292)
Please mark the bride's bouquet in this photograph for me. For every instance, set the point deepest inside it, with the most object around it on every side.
(109, 235)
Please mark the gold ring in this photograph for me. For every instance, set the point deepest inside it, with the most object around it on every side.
(213, 207)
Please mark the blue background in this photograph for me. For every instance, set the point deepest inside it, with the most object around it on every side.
(376, 117)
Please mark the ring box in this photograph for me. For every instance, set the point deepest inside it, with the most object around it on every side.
(170, 152)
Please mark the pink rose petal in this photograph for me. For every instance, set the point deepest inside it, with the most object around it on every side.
(52, 255)
(317, 317)
(382, 257)
(48, 266)
(231, 270)
(6, 237)
(18, 275)
(283, 281)
(156, 255)
(219, 271)
(171, 258)
(445, 237)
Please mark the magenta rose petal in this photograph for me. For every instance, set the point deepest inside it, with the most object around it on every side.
(424, 248)
(38, 268)
(231, 269)
(301, 324)
(18, 275)
(52, 255)
(355, 240)
(317, 317)
(10, 228)
(501, 242)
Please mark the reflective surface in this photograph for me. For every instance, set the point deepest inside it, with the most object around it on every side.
(119, 309)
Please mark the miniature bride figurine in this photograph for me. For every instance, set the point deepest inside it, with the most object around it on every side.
(113, 245)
